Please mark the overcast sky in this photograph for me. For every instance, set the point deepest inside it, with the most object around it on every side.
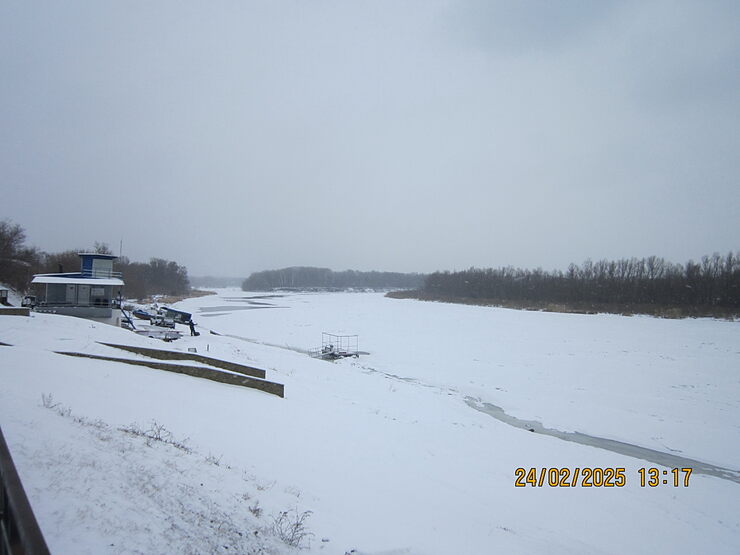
(404, 136)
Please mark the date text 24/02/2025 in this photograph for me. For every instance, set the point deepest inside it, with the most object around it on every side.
(597, 477)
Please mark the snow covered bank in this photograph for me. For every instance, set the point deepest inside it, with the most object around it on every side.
(133, 489)
(384, 450)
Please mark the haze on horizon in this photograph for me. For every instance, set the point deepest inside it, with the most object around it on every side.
(412, 136)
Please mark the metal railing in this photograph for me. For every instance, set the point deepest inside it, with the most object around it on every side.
(19, 532)
(336, 346)
(102, 303)
(101, 274)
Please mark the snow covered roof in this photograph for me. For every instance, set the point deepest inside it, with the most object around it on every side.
(98, 255)
(74, 279)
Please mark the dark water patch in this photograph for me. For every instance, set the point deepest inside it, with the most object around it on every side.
(248, 301)
(658, 457)
(252, 297)
(232, 308)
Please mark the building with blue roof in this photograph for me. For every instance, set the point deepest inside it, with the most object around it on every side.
(94, 292)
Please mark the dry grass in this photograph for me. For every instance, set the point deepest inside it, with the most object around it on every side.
(169, 299)
(578, 307)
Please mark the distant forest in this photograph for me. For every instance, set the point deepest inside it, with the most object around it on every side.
(711, 286)
(300, 277)
(19, 262)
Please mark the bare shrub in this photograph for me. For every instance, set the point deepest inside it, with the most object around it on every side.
(47, 401)
(255, 509)
(290, 527)
(98, 424)
(157, 433)
(132, 429)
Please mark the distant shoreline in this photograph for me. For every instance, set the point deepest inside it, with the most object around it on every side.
(670, 312)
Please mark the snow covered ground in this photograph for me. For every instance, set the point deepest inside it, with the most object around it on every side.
(384, 450)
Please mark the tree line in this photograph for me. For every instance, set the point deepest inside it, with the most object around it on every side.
(19, 262)
(307, 277)
(712, 282)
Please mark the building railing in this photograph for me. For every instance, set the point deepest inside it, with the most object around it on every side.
(103, 303)
(101, 274)
(19, 532)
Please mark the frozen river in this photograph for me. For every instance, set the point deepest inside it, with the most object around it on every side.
(671, 386)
